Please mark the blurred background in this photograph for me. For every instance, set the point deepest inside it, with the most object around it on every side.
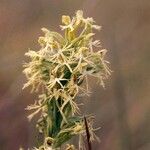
(122, 110)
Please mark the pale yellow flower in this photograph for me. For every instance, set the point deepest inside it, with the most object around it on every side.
(59, 71)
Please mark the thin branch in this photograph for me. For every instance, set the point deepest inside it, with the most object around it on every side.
(87, 134)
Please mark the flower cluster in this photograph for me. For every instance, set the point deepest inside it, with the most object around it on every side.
(58, 71)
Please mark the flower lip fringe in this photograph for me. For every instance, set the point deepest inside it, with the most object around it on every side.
(58, 72)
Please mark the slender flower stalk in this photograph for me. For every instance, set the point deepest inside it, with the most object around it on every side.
(58, 72)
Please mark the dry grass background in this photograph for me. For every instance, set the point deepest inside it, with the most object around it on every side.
(122, 109)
